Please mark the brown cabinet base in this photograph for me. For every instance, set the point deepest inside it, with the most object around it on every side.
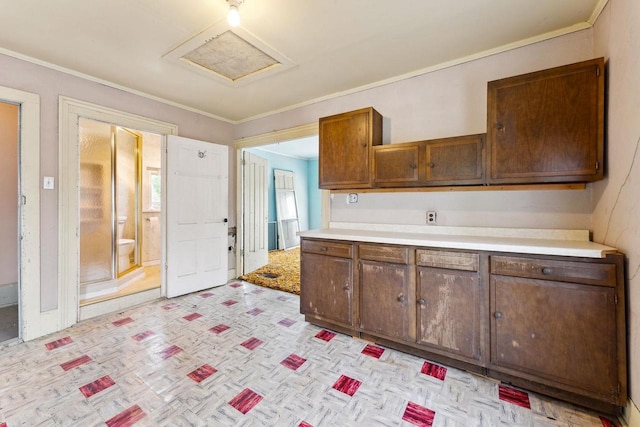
(550, 324)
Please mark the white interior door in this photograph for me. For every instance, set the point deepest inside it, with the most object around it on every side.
(197, 209)
(255, 194)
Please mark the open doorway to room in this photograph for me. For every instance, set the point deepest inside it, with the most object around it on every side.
(120, 197)
(298, 156)
(9, 222)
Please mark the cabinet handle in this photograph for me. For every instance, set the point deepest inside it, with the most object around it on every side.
(413, 165)
(364, 145)
(497, 315)
(432, 165)
(547, 271)
(324, 249)
(346, 288)
(500, 126)
(421, 301)
(401, 298)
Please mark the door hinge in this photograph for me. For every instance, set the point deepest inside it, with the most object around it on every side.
(615, 299)
(597, 165)
(619, 388)
(24, 200)
(597, 71)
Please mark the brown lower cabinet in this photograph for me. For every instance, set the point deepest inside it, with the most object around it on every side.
(553, 325)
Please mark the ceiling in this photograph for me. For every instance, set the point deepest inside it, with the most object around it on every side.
(324, 48)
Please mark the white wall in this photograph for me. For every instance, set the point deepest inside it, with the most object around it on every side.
(617, 199)
(50, 84)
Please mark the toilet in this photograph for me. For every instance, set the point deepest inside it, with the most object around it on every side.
(125, 247)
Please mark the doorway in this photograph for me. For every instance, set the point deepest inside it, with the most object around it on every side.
(9, 222)
(267, 146)
(120, 199)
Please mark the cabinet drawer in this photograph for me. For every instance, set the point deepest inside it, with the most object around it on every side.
(447, 259)
(397, 255)
(560, 271)
(321, 247)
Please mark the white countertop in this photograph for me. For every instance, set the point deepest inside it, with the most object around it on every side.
(529, 241)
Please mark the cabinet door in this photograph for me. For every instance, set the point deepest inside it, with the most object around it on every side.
(345, 148)
(561, 334)
(547, 126)
(385, 299)
(449, 314)
(455, 161)
(398, 165)
(326, 287)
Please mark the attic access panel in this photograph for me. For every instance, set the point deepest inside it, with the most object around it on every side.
(230, 55)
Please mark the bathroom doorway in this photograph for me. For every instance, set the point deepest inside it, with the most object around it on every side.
(120, 199)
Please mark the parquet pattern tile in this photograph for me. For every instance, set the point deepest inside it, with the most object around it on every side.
(232, 356)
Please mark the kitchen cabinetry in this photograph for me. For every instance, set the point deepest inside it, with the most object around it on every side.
(387, 292)
(445, 161)
(326, 281)
(551, 324)
(547, 126)
(451, 300)
(345, 148)
(555, 323)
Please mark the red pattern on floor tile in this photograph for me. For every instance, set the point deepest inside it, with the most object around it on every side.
(235, 285)
(373, 351)
(122, 321)
(293, 361)
(255, 312)
(170, 306)
(607, 422)
(97, 386)
(127, 418)
(433, 370)
(514, 396)
(219, 328)
(229, 302)
(3, 424)
(75, 362)
(207, 295)
(252, 343)
(169, 352)
(418, 415)
(143, 335)
(58, 343)
(246, 400)
(286, 322)
(347, 385)
(305, 424)
(192, 316)
(325, 335)
(202, 373)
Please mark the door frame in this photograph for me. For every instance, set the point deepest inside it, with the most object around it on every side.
(29, 316)
(68, 218)
(311, 129)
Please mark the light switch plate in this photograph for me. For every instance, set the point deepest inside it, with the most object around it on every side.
(352, 198)
(48, 183)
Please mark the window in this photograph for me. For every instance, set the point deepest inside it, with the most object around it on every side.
(155, 189)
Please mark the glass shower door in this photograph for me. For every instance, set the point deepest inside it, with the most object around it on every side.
(96, 225)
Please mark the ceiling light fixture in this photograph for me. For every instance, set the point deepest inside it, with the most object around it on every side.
(233, 17)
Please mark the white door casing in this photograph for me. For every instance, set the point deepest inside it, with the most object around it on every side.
(31, 319)
(256, 203)
(197, 210)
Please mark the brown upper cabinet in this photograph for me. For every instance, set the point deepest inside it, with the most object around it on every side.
(446, 161)
(547, 126)
(345, 148)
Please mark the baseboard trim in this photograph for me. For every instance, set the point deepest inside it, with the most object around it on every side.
(632, 414)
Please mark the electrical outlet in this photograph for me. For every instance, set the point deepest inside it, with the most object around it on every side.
(432, 217)
(352, 198)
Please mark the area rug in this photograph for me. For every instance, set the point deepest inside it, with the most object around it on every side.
(282, 272)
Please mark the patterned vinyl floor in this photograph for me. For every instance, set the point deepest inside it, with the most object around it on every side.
(242, 355)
